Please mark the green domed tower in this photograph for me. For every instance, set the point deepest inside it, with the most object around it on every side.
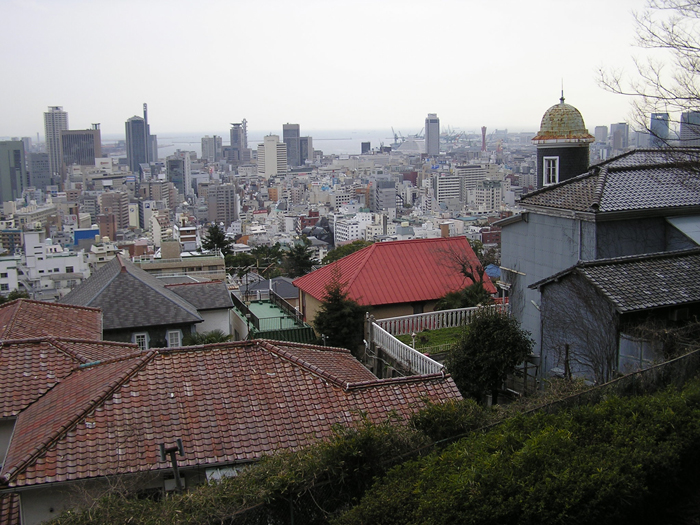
(562, 145)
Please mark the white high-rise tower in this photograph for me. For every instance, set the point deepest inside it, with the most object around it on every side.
(432, 134)
(55, 121)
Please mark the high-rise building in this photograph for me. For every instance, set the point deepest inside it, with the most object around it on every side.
(39, 171)
(178, 168)
(238, 151)
(619, 136)
(13, 172)
(272, 157)
(117, 204)
(211, 148)
(601, 134)
(290, 136)
(690, 128)
(222, 201)
(306, 150)
(55, 121)
(432, 134)
(80, 146)
(366, 146)
(136, 143)
(659, 130)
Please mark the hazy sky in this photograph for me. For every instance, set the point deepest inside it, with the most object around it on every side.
(324, 64)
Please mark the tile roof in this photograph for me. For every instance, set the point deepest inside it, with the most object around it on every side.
(282, 286)
(131, 298)
(31, 367)
(209, 295)
(229, 402)
(638, 180)
(27, 318)
(397, 272)
(9, 509)
(641, 282)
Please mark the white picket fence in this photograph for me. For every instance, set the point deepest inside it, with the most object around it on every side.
(432, 320)
(403, 355)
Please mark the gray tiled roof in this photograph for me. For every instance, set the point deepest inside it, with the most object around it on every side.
(131, 298)
(640, 282)
(204, 296)
(639, 180)
(282, 286)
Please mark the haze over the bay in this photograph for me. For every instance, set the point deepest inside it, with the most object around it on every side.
(324, 64)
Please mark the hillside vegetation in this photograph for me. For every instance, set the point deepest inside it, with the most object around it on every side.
(623, 459)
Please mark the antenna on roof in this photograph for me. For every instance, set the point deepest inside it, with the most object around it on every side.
(562, 91)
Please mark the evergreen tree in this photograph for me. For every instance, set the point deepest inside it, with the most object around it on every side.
(216, 239)
(340, 319)
(298, 261)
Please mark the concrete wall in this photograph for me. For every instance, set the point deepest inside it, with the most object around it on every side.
(538, 248)
(215, 320)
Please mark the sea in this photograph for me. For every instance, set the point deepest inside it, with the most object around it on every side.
(330, 142)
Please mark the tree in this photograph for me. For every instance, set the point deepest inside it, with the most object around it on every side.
(342, 251)
(239, 263)
(14, 294)
(205, 338)
(298, 260)
(490, 348)
(340, 319)
(216, 240)
(662, 86)
(473, 295)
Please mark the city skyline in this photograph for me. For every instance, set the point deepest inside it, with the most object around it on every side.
(369, 65)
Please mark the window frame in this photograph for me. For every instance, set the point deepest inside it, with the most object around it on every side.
(169, 334)
(146, 339)
(546, 170)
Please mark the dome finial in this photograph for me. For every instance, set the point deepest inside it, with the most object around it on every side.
(562, 91)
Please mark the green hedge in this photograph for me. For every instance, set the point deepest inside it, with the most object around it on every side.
(619, 460)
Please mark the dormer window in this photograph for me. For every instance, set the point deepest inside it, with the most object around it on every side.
(551, 170)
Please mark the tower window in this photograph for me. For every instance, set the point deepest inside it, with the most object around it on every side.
(551, 170)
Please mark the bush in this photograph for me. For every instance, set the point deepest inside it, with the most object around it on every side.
(619, 461)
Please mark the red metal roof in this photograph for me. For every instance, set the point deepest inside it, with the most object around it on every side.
(230, 402)
(398, 272)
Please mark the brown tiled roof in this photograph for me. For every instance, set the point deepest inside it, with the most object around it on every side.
(9, 509)
(30, 367)
(230, 402)
(26, 318)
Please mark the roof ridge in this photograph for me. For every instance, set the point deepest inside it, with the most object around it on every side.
(60, 344)
(266, 344)
(600, 187)
(90, 406)
(397, 380)
(369, 250)
(50, 304)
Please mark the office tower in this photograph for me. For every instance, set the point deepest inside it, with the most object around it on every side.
(366, 147)
(39, 171)
(690, 128)
(13, 172)
(178, 168)
(136, 143)
(211, 148)
(151, 140)
(659, 130)
(619, 136)
(432, 134)
(290, 136)
(601, 134)
(80, 146)
(272, 157)
(563, 145)
(55, 121)
(222, 201)
(238, 151)
(306, 150)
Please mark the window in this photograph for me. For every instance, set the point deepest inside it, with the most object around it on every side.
(551, 170)
(174, 338)
(4, 287)
(141, 339)
(56, 270)
(69, 269)
(3, 275)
